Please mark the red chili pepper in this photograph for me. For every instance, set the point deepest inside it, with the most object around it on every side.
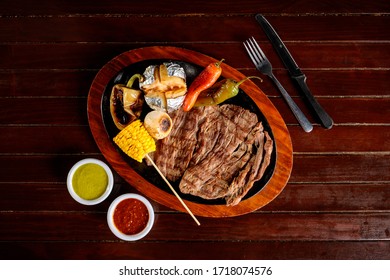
(203, 81)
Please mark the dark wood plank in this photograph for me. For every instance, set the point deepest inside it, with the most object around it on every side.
(72, 110)
(360, 167)
(176, 250)
(114, 28)
(46, 83)
(269, 226)
(343, 111)
(334, 197)
(320, 168)
(303, 198)
(55, 197)
(38, 168)
(332, 82)
(338, 139)
(47, 140)
(78, 139)
(313, 55)
(9, 7)
(55, 111)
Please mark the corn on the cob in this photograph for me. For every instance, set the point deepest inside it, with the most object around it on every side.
(135, 141)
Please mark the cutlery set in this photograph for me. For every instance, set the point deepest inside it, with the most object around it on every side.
(264, 66)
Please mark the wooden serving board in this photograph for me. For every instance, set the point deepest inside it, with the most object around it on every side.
(281, 168)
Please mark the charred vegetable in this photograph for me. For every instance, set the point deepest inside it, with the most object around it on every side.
(126, 103)
(158, 124)
(220, 92)
(203, 81)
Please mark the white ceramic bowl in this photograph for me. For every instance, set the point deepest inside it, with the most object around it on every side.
(109, 185)
(116, 231)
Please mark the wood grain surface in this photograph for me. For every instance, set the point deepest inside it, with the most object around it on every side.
(336, 202)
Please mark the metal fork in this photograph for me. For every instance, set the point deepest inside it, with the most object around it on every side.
(264, 66)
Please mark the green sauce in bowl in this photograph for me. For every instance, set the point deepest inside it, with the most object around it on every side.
(90, 181)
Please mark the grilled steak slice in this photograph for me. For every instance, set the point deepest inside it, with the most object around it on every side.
(253, 171)
(175, 152)
(217, 151)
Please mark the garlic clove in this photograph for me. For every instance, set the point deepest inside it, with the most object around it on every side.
(158, 124)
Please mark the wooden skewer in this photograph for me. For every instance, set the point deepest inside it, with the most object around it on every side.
(173, 190)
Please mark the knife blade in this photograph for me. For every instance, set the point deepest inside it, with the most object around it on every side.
(294, 70)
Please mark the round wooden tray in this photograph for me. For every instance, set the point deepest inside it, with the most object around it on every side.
(281, 168)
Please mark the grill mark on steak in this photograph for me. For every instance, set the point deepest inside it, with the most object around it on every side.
(217, 151)
(200, 179)
(208, 134)
(175, 152)
(255, 171)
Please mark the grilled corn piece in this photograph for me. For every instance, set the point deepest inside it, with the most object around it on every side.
(135, 141)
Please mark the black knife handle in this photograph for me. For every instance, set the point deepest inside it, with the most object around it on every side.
(323, 116)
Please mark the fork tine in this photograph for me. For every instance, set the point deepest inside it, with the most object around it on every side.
(256, 55)
(250, 52)
(257, 49)
(255, 52)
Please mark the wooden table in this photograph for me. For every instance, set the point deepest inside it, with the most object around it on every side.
(336, 204)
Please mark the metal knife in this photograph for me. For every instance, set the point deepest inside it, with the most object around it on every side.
(295, 71)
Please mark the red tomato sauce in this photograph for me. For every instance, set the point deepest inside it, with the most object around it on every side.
(131, 216)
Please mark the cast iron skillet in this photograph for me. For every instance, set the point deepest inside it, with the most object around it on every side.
(145, 178)
(148, 172)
